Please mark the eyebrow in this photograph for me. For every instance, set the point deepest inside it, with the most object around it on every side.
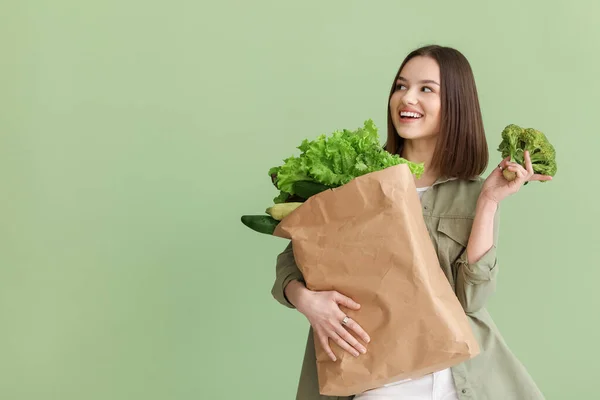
(423, 81)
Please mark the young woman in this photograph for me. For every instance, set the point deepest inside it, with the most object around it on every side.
(433, 117)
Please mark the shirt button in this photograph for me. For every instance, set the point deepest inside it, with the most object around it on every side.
(464, 391)
(426, 207)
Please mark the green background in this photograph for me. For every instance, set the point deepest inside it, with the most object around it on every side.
(134, 134)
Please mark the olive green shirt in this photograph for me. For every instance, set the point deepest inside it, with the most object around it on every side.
(448, 210)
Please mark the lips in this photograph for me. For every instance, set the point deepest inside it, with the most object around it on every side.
(409, 120)
(410, 110)
(409, 116)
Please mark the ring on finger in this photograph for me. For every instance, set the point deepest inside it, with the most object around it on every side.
(345, 320)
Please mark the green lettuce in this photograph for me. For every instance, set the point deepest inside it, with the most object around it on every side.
(336, 159)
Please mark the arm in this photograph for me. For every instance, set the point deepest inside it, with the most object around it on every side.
(477, 266)
(289, 282)
(322, 309)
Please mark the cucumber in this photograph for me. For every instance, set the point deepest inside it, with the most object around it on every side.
(260, 223)
(306, 189)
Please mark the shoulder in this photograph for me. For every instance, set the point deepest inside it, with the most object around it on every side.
(458, 197)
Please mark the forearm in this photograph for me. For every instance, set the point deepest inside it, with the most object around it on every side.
(477, 266)
(481, 239)
(294, 291)
(286, 271)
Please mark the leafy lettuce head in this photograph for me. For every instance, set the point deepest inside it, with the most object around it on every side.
(334, 160)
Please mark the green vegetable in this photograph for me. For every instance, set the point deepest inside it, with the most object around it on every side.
(334, 160)
(306, 189)
(260, 223)
(282, 210)
(517, 140)
(282, 198)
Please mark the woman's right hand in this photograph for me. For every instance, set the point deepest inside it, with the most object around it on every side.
(322, 309)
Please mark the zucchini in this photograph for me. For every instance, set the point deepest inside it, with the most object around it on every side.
(306, 189)
(260, 223)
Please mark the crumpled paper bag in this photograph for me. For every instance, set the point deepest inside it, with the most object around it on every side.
(367, 240)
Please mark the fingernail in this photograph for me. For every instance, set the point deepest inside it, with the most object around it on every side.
(363, 350)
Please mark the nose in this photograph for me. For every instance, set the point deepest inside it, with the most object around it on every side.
(409, 98)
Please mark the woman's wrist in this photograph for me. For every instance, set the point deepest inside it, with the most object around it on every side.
(486, 203)
(294, 291)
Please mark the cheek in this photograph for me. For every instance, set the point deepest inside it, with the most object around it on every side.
(438, 105)
(434, 109)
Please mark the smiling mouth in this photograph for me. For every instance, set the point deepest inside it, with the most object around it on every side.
(410, 117)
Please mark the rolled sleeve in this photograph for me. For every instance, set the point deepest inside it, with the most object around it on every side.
(286, 270)
(481, 271)
(477, 281)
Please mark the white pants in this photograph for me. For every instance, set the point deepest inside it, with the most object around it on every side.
(436, 386)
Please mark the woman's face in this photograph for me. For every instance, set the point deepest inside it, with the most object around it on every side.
(417, 91)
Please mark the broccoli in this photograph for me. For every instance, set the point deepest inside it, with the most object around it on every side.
(517, 140)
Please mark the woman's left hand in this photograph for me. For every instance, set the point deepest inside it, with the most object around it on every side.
(496, 187)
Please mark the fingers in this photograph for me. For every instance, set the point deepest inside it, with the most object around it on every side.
(351, 324)
(354, 326)
(522, 174)
(538, 177)
(528, 166)
(329, 325)
(504, 163)
(526, 173)
(351, 340)
(347, 342)
(346, 301)
(324, 340)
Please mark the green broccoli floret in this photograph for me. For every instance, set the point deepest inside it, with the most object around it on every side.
(517, 140)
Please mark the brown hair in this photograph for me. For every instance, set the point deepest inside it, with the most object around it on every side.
(461, 150)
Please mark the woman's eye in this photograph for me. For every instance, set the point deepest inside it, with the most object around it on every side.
(399, 86)
(427, 88)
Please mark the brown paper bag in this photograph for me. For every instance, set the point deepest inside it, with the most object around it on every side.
(367, 239)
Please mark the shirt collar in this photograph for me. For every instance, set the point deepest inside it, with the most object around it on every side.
(444, 179)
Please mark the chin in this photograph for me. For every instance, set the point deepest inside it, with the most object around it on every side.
(411, 134)
(408, 135)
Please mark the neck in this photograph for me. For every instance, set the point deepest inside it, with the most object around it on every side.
(421, 151)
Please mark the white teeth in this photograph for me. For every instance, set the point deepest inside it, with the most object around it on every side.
(410, 114)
